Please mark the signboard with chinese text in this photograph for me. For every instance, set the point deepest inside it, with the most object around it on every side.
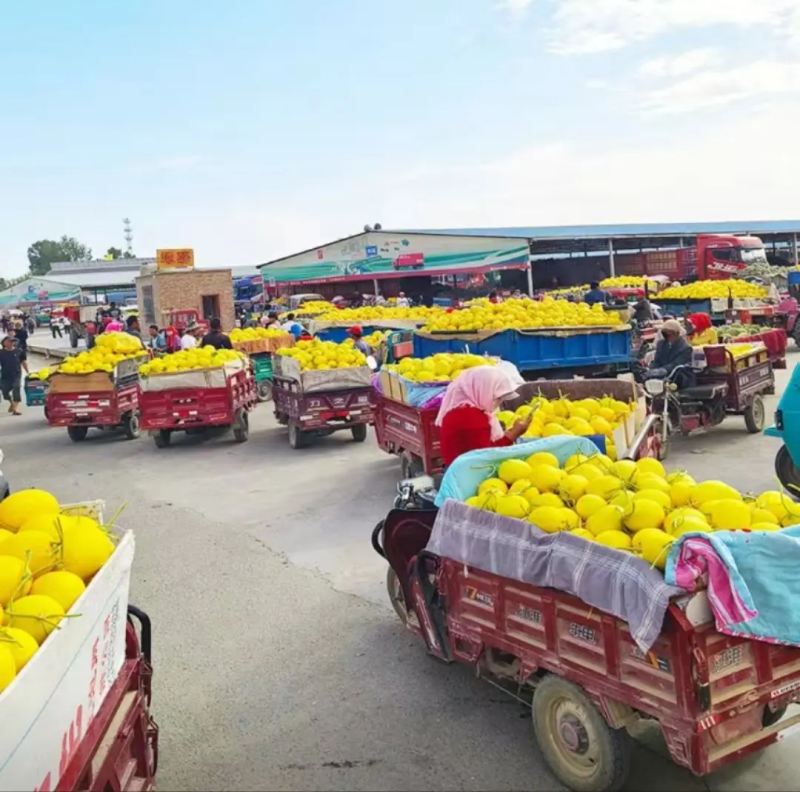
(175, 258)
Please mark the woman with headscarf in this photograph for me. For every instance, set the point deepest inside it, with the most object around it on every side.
(466, 418)
(702, 331)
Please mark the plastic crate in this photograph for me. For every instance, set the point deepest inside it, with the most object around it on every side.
(262, 366)
(35, 392)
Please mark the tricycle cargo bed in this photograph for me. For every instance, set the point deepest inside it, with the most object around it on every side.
(711, 692)
(183, 408)
(411, 433)
(536, 350)
(324, 381)
(315, 410)
(96, 408)
(717, 698)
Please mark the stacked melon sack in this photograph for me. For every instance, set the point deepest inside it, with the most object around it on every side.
(47, 558)
(630, 506)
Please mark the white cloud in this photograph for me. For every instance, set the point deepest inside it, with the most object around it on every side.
(759, 80)
(516, 8)
(677, 65)
(587, 26)
(711, 175)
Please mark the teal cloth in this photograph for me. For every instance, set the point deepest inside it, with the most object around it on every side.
(764, 568)
(465, 474)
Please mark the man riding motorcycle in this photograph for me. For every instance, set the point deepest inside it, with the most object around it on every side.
(672, 350)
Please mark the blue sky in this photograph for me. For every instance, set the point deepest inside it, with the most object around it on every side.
(254, 128)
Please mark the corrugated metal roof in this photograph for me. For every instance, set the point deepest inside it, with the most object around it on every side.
(99, 279)
(623, 230)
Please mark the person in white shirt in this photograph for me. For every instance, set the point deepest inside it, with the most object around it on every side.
(188, 339)
(402, 300)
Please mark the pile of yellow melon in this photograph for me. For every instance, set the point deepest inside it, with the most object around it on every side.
(109, 349)
(254, 333)
(563, 416)
(442, 367)
(714, 289)
(190, 360)
(523, 314)
(316, 355)
(47, 558)
(631, 506)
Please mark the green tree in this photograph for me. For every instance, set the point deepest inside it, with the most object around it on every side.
(43, 253)
(114, 253)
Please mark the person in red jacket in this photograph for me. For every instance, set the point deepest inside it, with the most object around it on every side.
(466, 418)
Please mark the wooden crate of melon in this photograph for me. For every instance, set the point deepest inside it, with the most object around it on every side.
(64, 586)
(259, 340)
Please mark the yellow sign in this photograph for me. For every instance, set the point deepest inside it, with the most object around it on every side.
(171, 259)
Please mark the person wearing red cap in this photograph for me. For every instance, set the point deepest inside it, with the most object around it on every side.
(362, 346)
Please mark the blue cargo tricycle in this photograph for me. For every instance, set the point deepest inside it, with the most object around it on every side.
(787, 428)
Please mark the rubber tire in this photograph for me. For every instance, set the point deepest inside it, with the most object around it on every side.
(162, 438)
(73, 339)
(411, 466)
(77, 433)
(755, 415)
(771, 718)
(392, 588)
(241, 426)
(297, 437)
(787, 472)
(359, 433)
(612, 771)
(264, 390)
(130, 425)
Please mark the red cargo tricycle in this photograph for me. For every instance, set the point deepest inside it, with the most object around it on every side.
(120, 748)
(717, 698)
(176, 403)
(99, 400)
(411, 433)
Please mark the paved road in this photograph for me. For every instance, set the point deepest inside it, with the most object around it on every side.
(278, 662)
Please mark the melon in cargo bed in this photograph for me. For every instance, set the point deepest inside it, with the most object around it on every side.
(47, 558)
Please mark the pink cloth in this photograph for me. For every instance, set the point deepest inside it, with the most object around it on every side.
(696, 558)
(481, 387)
(114, 327)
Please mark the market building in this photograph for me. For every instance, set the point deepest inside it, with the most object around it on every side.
(520, 257)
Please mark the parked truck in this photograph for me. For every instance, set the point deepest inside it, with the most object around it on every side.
(714, 256)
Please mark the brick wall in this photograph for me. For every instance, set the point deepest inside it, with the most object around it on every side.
(185, 291)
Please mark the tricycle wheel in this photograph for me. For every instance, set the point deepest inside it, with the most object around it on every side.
(241, 426)
(581, 749)
(264, 389)
(162, 438)
(771, 717)
(130, 425)
(359, 433)
(77, 433)
(396, 596)
(73, 339)
(297, 437)
(411, 466)
(754, 415)
(787, 472)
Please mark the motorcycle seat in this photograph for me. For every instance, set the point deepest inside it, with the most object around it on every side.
(703, 392)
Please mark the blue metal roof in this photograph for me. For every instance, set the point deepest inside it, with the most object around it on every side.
(755, 227)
